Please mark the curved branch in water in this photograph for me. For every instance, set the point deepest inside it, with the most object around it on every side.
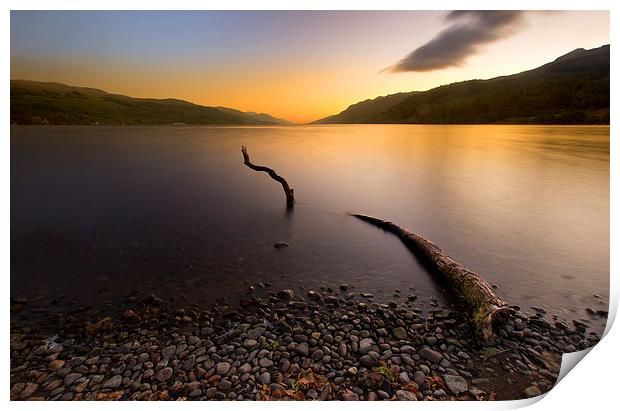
(288, 191)
(486, 307)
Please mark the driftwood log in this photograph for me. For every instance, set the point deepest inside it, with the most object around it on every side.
(288, 191)
(487, 309)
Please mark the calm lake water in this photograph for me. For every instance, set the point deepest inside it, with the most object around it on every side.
(97, 212)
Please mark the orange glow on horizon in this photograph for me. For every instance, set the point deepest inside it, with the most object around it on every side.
(310, 80)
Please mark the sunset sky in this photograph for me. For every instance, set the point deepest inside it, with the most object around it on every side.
(300, 66)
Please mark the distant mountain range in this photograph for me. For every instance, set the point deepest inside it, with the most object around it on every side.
(266, 118)
(34, 102)
(573, 89)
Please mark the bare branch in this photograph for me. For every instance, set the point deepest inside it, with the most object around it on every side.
(288, 191)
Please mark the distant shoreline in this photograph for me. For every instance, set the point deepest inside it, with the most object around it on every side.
(310, 124)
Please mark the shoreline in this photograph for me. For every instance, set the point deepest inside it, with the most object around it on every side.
(306, 124)
(286, 346)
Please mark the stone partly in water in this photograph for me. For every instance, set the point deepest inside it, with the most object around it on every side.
(153, 299)
(332, 300)
(314, 296)
(285, 295)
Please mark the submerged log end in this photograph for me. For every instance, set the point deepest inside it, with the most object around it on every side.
(290, 197)
(486, 319)
(487, 310)
(372, 220)
(382, 224)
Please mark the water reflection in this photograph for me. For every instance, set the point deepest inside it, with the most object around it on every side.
(173, 209)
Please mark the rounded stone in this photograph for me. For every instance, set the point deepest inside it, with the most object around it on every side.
(302, 349)
(70, 378)
(113, 382)
(222, 367)
(532, 391)
(265, 378)
(168, 351)
(400, 333)
(164, 374)
(365, 345)
(419, 377)
(456, 384)
(265, 362)
(404, 395)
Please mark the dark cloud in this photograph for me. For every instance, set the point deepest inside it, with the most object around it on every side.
(469, 31)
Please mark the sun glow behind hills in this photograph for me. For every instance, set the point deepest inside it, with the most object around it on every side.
(295, 65)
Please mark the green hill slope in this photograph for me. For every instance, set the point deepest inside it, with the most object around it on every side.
(366, 109)
(262, 117)
(267, 117)
(34, 102)
(573, 89)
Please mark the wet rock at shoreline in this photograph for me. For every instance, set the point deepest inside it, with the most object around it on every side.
(400, 333)
(338, 347)
(455, 383)
(113, 383)
(430, 355)
(222, 368)
(287, 295)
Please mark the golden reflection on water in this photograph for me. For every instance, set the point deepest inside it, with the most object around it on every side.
(524, 201)
(526, 206)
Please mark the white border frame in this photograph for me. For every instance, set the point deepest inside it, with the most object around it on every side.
(590, 385)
